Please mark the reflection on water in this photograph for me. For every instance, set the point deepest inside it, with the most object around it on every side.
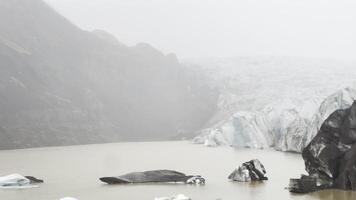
(334, 195)
(328, 195)
(74, 171)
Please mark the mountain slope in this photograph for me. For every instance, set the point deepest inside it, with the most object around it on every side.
(60, 85)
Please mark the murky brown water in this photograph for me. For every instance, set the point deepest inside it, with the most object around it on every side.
(74, 171)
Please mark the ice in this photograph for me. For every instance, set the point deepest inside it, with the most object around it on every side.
(68, 198)
(14, 181)
(286, 125)
(176, 197)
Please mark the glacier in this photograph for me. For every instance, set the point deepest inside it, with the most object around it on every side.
(285, 125)
(277, 102)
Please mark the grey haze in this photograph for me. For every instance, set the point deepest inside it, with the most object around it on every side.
(220, 28)
(60, 85)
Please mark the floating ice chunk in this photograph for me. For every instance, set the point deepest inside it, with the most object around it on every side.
(18, 181)
(196, 180)
(68, 198)
(177, 197)
(154, 176)
(249, 171)
(15, 181)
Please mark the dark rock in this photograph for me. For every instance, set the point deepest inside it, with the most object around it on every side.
(252, 170)
(303, 185)
(156, 176)
(330, 157)
(34, 180)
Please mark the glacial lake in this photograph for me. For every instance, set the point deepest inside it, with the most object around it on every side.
(74, 171)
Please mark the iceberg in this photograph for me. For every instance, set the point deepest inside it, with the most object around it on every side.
(155, 176)
(252, 170)
(18, 181)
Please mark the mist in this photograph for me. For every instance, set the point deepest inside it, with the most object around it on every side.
(168, 93)
(214, 28)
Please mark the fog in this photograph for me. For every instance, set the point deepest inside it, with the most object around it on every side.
(142, 81)
(101, 71)
(206, 28)
(60, 85)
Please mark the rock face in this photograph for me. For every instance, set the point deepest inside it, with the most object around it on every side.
(286, 125)
(156, 176)
(303, 185)
(249, 171)
(330, 157)
(341, 99)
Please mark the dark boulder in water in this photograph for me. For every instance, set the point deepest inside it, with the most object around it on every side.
(303, 185)
(330, 158)
(155, 176)
(252, 170)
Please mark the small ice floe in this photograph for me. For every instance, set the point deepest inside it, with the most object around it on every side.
(196, 180)
(252, 170)
(176, 197)
(19, 181)
(68, 198)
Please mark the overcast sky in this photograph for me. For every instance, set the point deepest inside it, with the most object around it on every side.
(204, 28)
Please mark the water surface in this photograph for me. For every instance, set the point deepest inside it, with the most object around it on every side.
(74, 171)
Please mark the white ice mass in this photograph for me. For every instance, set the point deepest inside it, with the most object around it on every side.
(15, 181)
(249, 171)
(284, 126)
(279, 103)
(176, 197)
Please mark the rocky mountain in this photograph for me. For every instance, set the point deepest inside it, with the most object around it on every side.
(60, 85)
(274, 102)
